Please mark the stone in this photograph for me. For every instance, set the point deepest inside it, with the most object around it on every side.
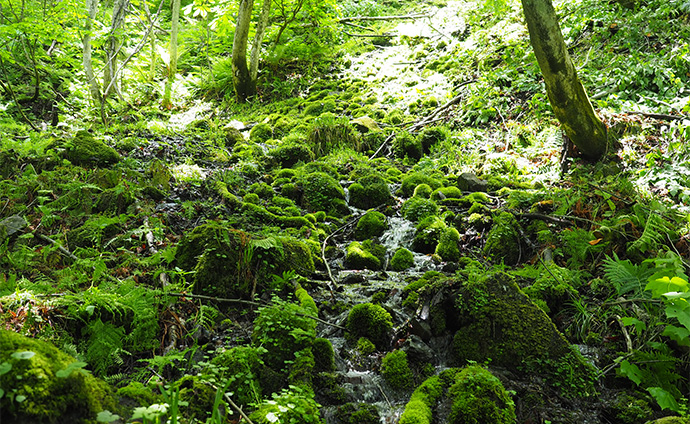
(11, 225)
(467, 181)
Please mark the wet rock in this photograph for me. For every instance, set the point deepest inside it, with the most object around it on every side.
(365, 124)
(11, 225)
(467, 181)
(417, 351)
(354, 278)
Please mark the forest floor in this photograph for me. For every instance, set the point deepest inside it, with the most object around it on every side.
(331, 254)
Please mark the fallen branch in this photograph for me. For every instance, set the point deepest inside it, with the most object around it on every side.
(321, 321)
(432, 116)
(544, 217)
(59, 247)
(369, 35)
(385, 142)
(382, 18)
(659, 116)
(216, 299)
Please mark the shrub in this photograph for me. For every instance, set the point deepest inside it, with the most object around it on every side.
(370, 321)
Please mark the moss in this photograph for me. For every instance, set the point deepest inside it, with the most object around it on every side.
(402, 259)
(498, 321)
(428, 234)
(371, 224)
(446, 193)
(323, 355)
(357, 413)
(408, 146)
(423, 190)
(417, 208)
(366, 255)
(431, 136)
(261, 132)
(365, 346)
(290, 154)
(411, 181)
(479, 397)
(232, 136)
(447, 247)
(84, 149)
(370, 321)
(626, 409)
(262, 190)
(302, 369)
(199, 396)
(670, 420)
(49, 397)
(138, 393)
(370, 192)
(329, 388)
(323, 193)
(395, 117)
(419, 410)
(291, 191)
(252, 198)
(503, 241)
(396, 370)
(241, 368)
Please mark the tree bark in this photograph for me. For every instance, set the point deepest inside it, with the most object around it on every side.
(113, 46)
(94, 87)
(245, 87)
(566, 93)
(172, 68)
(258, 37)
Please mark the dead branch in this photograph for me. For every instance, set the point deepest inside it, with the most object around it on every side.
(659, 116)
(383, 18)
(369, 35)
(432, 116)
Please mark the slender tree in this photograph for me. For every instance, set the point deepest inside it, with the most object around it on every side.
(113, 46)
(172, 67)
(566, 93)
(94, 87)
(245, 76)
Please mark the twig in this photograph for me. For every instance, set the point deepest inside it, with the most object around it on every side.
(385, 142)
(384, 394)
(321, 321)
(382, 18)
(543, 217)
(659, 116)
(216, 299)
(431, 117)
(60, 248)
(233, 404)
(628, 342)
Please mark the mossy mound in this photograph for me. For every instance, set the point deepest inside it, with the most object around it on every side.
(423, 190)
(261, 132)
(447, 247)
(369, 192)
(371, 224)
(288, 154)
(499, 322)
(503, 240)
(428, 234)
(241, 367)
(230, 263)
(84, 149)
(396, 370)
(41, 384)
(431, 136)
(408, 146)
(479, 397)
(411, 181)
(321, 192)
(232, 136)
(115, 200)
(442, 193)
(402, 259)
(370, 321)
(357, 413)
(417, 208)
(365, 255)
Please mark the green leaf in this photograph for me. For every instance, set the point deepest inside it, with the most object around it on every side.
(663, 285)
(106, 417)
(77, 365)
(5, 367)
(678, 334)
(27, 354)
(639, 325)
(679, 311)
(20, 398)
(663, 398)
(631, 371)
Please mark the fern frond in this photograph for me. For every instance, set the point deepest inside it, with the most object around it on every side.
(104, 345)
(626, 276)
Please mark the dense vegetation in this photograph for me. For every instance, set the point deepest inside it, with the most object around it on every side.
(393, 229)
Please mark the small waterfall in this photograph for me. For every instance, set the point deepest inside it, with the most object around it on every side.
(400, 233)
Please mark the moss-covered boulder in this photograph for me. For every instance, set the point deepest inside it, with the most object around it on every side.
(396, 370)
(417, 208)
(450, 192)
(370, 321)
(497, 321)
(261, 132)
(431, 136)
(411, 181)
(408, 146)
(402, 259)
(241, 367)
(670, 420)
(84, 149)
(423, 190)
(287, 155)
(503, 241)
(232, 136)
(357, 413)
(447, 247)
(428, 234)
(115, 200)
(365, 255)
(321, 192)
(479, 397)
(371, 224)
(41, 384)
(370, 192)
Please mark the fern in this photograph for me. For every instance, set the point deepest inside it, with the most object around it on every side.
(626, 276)
(654, 234)
(104, 346)
(207, 316)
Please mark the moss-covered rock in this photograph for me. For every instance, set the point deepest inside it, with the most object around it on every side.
(428, 234)
(288, 154)
(115, 200)
(241, 367)
(423, 190)
(408, 146)
(370, 321)
(402, 259)
(670, 420)
(503, 241)
(321, 192)
(396, 370)
(479, 397)
(417, 208)
(323, 355)
(41, 384)
(442, 193)
(498, 321)
(357, 413)
(432, 136)
(420, 408)
(371, 224)
(199, 396)
(365, 255)
(232, 136)
(84, 149)
(261, 132)
(447, 247)
(370, 192)
(411, 181)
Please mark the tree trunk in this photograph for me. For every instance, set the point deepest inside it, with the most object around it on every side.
(245, 86)
(112, 48)
(258, 37)
(566, 93)
(94, 88)
(172, 69)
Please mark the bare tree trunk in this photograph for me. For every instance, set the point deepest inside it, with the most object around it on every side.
(245, 87)
(258, 37)
(172, 69)
(566, 93)
(113, 46)
(94, 87)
